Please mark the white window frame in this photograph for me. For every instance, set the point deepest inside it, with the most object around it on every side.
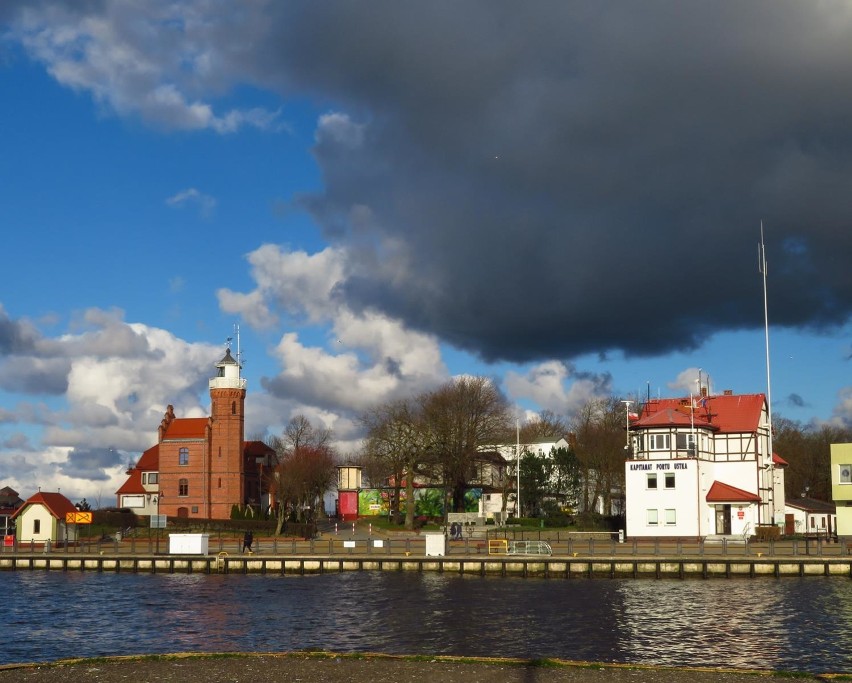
(651, 478)
(690, 442)
(669, 477)
(671, 517)
(654, 441)
(844, 473)
(652, 517)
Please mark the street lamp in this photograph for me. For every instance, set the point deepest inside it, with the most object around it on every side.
(627, 424)
(518, 467)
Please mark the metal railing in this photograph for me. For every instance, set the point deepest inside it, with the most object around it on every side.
(346, 544)
(529, 548)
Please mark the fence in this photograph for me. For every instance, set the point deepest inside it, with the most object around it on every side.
(344, 544)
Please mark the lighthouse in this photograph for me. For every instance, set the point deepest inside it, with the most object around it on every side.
(227, 480)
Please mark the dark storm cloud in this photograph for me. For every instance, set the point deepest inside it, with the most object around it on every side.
(575, 177)
(91, 463)
(16, 336)
(35, 375)
(796, 401)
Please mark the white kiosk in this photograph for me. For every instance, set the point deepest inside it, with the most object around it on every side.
(188, 544)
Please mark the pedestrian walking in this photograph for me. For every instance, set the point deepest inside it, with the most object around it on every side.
(248, 539)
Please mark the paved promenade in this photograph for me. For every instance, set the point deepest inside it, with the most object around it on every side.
(364, 540)
(330, 668)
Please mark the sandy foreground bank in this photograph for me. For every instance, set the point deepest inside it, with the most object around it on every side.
(277, 668)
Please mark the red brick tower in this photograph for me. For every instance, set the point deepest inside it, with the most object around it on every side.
(227, 411)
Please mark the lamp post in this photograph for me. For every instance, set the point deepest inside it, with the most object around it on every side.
(518, 467)
(627, 424)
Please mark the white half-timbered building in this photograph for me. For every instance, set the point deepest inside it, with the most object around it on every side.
(702, 466)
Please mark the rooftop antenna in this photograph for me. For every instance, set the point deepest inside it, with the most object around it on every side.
(239, 353)
(762, 270)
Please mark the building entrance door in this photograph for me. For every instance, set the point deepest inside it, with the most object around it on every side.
(789, 525)
(723, 520)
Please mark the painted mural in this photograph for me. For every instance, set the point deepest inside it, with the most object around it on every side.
(428, 502)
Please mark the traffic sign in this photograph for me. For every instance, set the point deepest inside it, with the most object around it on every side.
(78, 517)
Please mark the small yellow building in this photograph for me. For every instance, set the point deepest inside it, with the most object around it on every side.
(841, 487)
(41, 519)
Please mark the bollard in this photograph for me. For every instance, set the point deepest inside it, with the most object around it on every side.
(335, 529)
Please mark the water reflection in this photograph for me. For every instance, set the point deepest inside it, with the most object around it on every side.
(799, 624)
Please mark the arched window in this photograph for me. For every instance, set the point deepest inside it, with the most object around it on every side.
(183, 456)
(183, 487)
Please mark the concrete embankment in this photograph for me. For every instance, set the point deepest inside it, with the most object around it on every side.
(342, 668)
(491, 565)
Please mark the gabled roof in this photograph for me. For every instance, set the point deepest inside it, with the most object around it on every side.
(133, 483)
(9, 498)
(149, 461)
(57, 504)
(257, 448)
(494, 457)
(778, 460)
(811, 505)
(187, 428)
(729, 413)
(725, 493)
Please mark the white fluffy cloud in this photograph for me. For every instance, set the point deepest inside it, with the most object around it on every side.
(145, 59)
(557, 387)
(687, 381)
(117, 379)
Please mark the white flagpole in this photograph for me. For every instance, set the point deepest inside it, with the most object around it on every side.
(769, 466)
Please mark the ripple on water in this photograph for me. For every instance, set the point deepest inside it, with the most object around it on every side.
(796, 624)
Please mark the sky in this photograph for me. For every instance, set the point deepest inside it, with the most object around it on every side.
(564, 196)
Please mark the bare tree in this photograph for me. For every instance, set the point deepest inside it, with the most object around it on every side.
(543, 426)
(600, 438)
(461, 416)
(396, 447)
(304, 470)
(807, 451)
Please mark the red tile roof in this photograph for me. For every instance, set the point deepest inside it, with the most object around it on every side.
(725, 493)
(149, 461)
(257, 448)
(187, 428)
(673, 416)
(727, 412)
(133, 483)
(57, 504)
(778, 460)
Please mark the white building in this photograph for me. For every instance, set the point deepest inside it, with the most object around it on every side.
(810, 516)
(702, 467)
(544, 447)
(141, 491)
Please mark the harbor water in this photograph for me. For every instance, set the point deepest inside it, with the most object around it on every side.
(791, 624)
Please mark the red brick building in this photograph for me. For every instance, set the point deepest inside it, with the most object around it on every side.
(202, 467)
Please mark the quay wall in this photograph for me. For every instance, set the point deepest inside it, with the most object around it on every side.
(493, 565)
